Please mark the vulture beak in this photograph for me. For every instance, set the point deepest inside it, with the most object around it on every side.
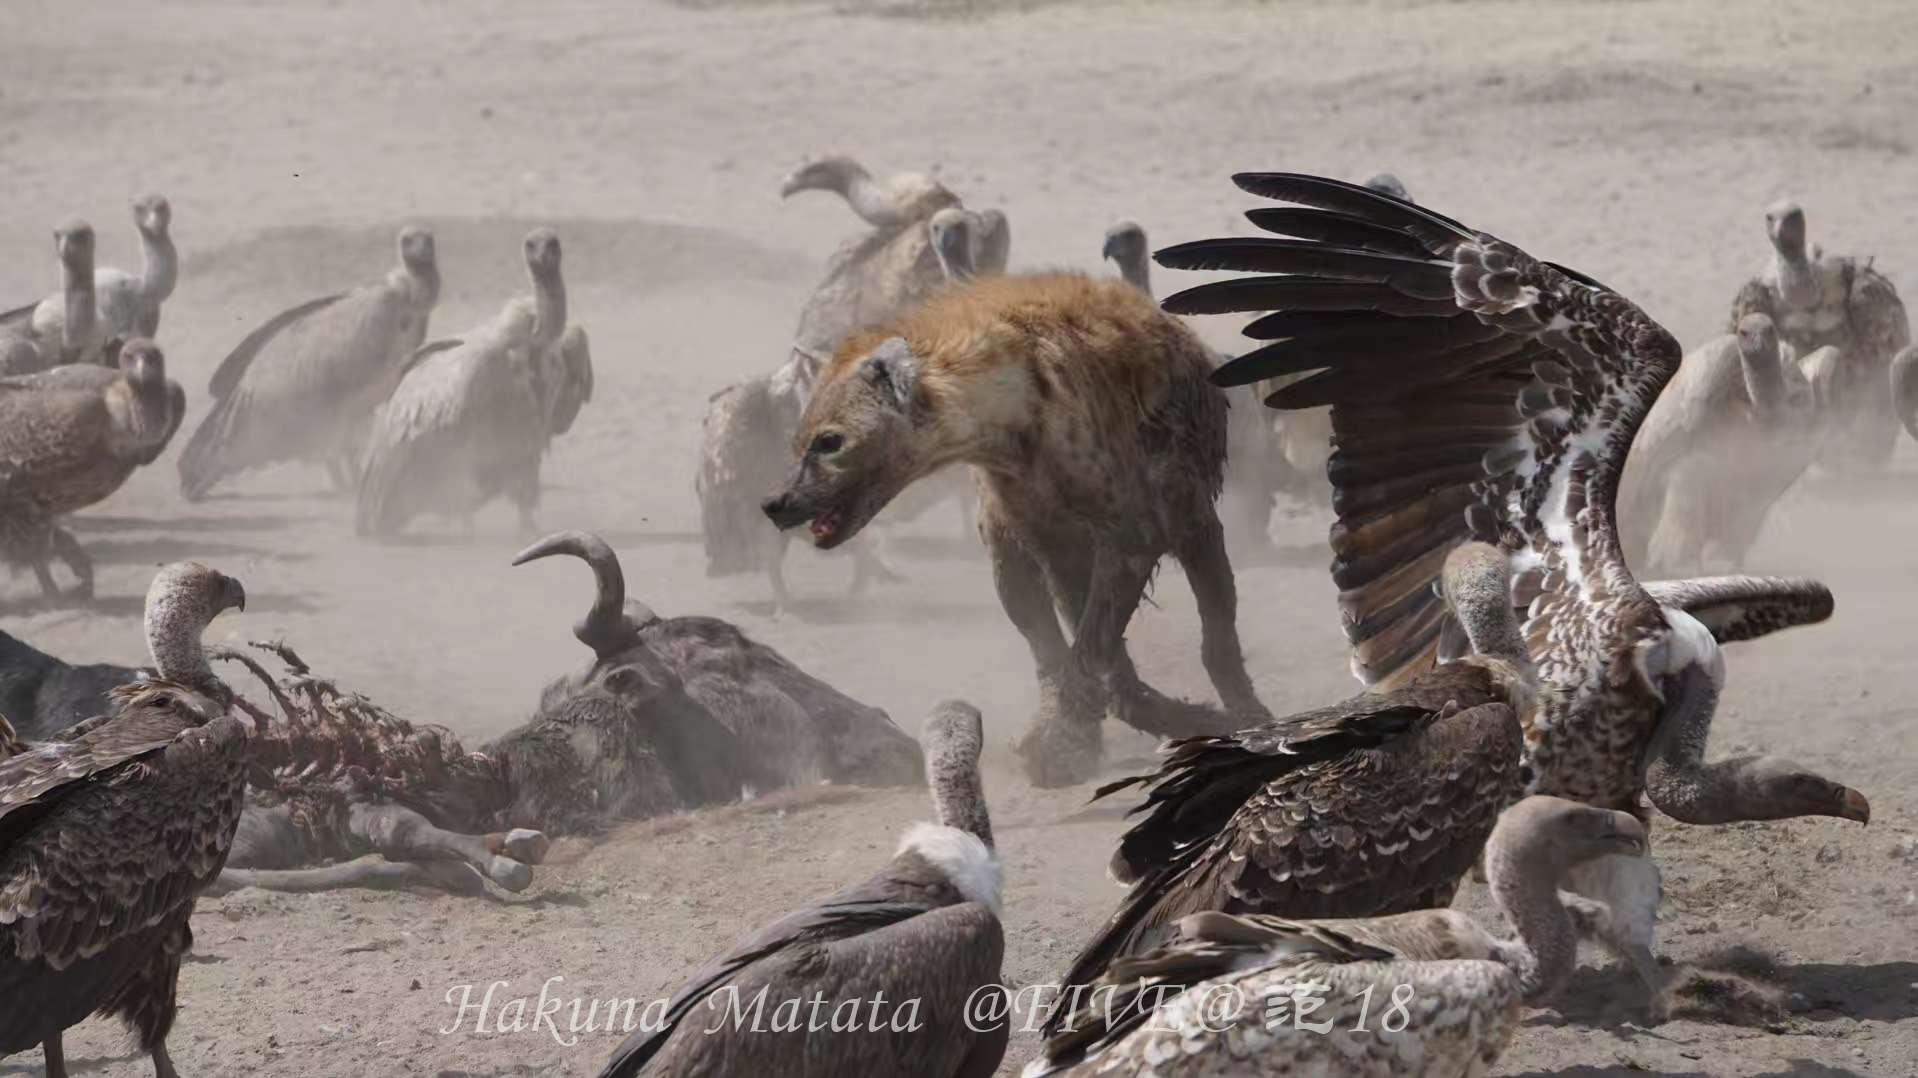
(234, 595)
(1856, 807)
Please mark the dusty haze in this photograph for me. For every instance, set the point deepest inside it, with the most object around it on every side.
(1636, 141)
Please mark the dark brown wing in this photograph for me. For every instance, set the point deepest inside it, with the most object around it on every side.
(906, 891)
(1738, 608)
(108, 836)
(1375, 805)
(1880, 328)
(1476, 393)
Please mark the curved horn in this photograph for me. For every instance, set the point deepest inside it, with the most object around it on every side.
(604, 628)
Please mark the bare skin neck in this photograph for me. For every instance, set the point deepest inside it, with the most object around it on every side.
(162, 265)
(1677, 779)
(1797, 274)
(1525, 887)
(1136, 272)
(1764, 380)
(82, 316)
(419, 282)
(549, 305)
(952, 770)
(867, 197)
(173, 626)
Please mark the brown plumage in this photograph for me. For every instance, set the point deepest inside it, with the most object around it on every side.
(1372, 806)
(1229, 998)
(471, 419)
(1735, 429)
(69, 437)
(305, 385)
(106, 840)
(925, 928)
(1479, 393)
(1099, 448)
(1843, 303)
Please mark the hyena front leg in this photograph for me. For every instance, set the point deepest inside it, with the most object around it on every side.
(1062, 747)
(1209, 570)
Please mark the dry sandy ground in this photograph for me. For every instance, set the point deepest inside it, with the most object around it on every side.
(1637, 141)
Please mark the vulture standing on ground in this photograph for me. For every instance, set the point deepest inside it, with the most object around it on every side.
(472, 418)
(1240, 1006)
(1478, 393)
(792, 728)
(126, 305)
(304, 385)
(1373, 806)
(1735, 429)
(107, 839)
(1845, 303)
(69, 437)
(924, 929)
(62, 329)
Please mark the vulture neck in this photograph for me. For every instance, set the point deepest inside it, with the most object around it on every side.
(1676, 777)
(1764, 380)
(1798, 282)
(173, 625)
(868, 197)
(549, 308)
(81, 315)
(1136, 272)
(162, 265)
(420, 283)
(1525, 886)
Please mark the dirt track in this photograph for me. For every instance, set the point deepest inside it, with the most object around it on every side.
(1636, 141)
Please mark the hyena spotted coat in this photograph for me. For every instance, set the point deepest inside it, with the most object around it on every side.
(1099, 448)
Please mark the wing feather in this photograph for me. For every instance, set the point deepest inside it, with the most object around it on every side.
(1739, 608)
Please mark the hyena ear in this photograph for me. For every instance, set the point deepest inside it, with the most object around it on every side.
(893, 370)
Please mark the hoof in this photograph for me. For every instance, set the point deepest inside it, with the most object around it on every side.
(522, 844)
(509, 873)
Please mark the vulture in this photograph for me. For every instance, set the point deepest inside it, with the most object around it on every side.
(792, 728)
(1478, 393)
(1377, 805)
(1416, 995)
(473, 417)
(305, 385)
(1844, 303)
(125, 305)
(130, 303)
(69, 437)
(1735, 429)
(107, 839)
(63, 329)
(923, 932)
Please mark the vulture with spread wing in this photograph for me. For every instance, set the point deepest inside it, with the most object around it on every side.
(1478, 393)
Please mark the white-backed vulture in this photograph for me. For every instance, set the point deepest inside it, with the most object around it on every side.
(305, 385)
(1476, 392)
(69, 437)
(1376, 805)
(130, 303)
(106, 840)
(472, 418)
(1417, 995)
(1732, 432)
(64, 328)
(1845, 303)
(924, 932)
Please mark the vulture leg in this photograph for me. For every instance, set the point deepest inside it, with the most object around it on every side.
(400, 834)
(67, 549)
(776, 571)
(1209, 570)
(54, 1055)
(371, 871)
(1062, 747)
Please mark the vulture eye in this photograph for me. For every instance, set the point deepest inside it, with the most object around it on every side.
(828, 443)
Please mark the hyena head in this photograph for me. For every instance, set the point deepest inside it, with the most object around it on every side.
(859, 445)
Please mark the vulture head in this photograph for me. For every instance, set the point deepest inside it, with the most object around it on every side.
(152, 215)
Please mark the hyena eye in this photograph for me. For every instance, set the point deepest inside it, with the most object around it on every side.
(828, 443)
